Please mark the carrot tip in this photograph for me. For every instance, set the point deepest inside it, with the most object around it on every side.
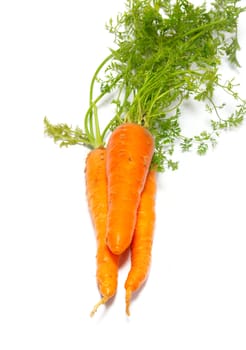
(128, 300)
(101, 302)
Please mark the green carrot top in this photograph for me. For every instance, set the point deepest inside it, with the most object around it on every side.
(164, 54)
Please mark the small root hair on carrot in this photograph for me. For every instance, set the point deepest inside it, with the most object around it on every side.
(128, 301)
(101, 302)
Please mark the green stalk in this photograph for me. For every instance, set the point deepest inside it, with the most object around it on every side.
(95, 76)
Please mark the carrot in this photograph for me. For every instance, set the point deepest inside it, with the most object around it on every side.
(142, 240)
(128, 157)
(148, 81)
(96, 188)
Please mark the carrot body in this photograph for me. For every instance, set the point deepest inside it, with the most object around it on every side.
(129, 154)
(142, 240)
(96, 189)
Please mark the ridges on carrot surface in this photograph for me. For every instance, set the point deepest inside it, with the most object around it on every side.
(96, 189)
(128, 157)
(142, 240)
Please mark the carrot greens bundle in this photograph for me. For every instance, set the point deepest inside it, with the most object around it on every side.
(164, 54)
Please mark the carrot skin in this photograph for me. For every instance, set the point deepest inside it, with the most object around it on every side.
(142, 240)
(128, 157)
(96, 190)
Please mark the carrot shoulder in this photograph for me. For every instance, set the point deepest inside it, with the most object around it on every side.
(129, 154)
(142, 240)
(96, 188)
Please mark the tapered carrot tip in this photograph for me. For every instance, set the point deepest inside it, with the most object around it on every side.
(128, 301)
(101, 302)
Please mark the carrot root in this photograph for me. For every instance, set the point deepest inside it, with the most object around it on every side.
(101, 302)
(142, 240)
(128, 301)
(96, 188)
(128, 157)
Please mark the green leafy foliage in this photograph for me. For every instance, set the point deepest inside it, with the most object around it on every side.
(165, 53)
(65, 135)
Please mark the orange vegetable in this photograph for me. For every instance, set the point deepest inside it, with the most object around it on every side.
(128, 157)
(142, 240)
(96, 188)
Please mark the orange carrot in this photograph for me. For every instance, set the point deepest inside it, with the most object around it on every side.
(96, 188)
(142, 240)
(128, 157)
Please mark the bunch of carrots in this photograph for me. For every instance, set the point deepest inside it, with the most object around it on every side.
(166, 53)
(119, 180)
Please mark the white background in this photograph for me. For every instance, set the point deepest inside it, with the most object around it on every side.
(195, 295)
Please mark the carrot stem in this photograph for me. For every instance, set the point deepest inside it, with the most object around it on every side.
(95, 76)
